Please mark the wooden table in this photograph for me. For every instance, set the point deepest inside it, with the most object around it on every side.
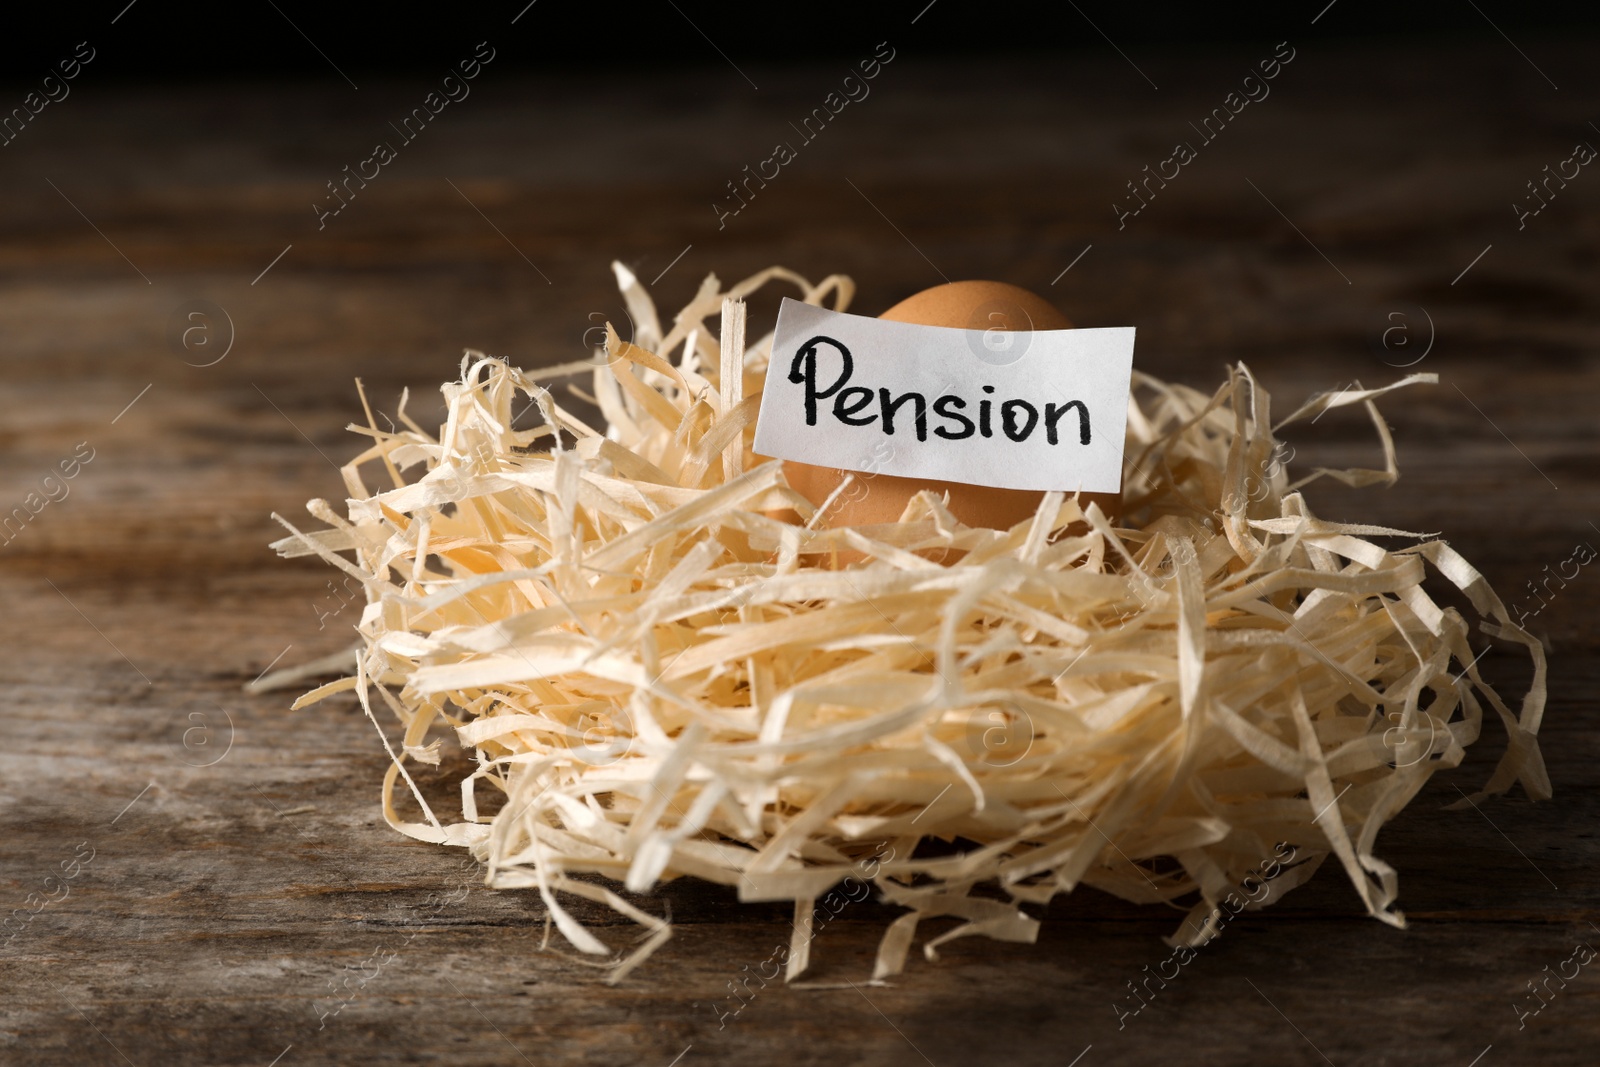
(241, 872)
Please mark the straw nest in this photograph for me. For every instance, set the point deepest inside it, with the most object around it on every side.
(659, 679)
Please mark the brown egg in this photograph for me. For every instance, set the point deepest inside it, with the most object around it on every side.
(883, 497)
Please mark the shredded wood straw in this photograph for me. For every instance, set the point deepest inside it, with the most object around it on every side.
(664, 680)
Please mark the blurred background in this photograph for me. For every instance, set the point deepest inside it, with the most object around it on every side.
(191, 281)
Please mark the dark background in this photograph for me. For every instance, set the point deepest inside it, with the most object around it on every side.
(158, 41)
(230, 894)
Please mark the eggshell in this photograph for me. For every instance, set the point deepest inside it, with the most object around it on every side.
(880, 498)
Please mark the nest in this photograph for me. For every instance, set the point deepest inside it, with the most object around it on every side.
(660, 678)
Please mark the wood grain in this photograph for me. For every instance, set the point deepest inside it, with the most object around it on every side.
(211, 926)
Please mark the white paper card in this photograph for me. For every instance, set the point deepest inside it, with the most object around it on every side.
(1045, 409)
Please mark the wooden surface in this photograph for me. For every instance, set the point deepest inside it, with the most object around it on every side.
(227, 907)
